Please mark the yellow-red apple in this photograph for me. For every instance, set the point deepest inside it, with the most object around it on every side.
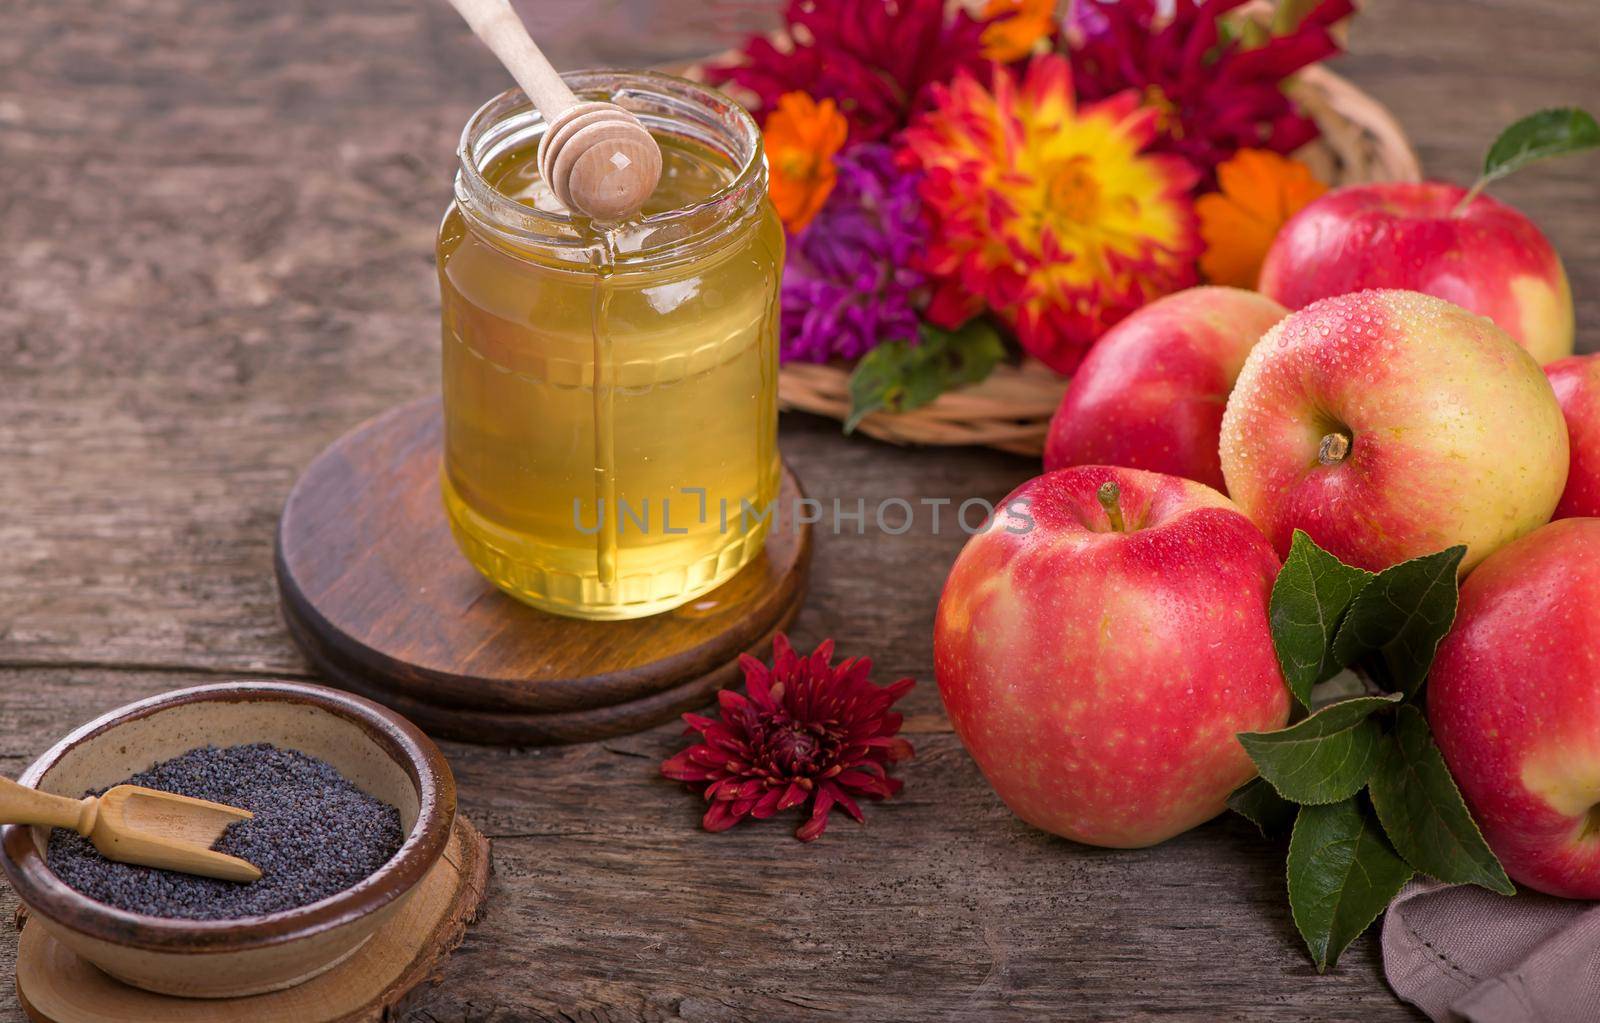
(1485, 257)
(1150, 393)
(1390, 424)
(1577, 384)
(1097, 659)
(1514, 699)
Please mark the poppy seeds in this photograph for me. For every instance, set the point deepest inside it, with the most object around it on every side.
(314, 834)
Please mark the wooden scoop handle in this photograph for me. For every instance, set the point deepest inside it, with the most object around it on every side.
(597, 158)
(494, 22)
(22, 805)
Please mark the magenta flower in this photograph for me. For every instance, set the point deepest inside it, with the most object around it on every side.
(851, 282)
(873, 58)
(1215, 95)
(805, 733)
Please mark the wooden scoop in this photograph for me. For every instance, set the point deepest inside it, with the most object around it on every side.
(132, 824)
(597, 158)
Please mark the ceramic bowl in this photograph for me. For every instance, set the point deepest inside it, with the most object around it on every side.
(373, 747)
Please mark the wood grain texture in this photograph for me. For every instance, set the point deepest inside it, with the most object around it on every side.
(380, 600)
(216, 223)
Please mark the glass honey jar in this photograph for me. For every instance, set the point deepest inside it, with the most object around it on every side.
(610, 391)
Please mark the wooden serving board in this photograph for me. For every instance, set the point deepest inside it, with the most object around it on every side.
(55, 986)
(381, 602)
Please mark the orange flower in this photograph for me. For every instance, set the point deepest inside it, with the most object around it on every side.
(1260, 191)
(1051, 215)
(801, 138)
(1014, 27)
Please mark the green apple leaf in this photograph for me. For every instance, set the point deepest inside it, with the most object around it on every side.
(1540, 136)
(1422, 811)
(897, 375)
(1259, 803)
(1309, 599)
(1342, 873)
(1325, 758)
(1401, 616)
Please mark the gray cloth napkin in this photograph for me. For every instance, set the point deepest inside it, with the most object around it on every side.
(1464, 954)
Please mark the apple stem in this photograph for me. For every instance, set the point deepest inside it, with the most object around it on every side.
(1472, 193)
(1333, 449)
(1110, 496)
(1591, 823)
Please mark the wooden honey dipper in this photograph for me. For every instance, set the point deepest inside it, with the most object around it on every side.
(597, 158)
(132, 824)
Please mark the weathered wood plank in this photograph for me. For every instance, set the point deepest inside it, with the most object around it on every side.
(608, 903)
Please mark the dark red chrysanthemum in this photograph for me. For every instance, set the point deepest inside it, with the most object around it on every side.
(804, 730)
(873, 58)
(1215, 94)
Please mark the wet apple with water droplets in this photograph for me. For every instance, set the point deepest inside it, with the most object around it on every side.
(1577, 385)
(1390, 424)
(1515, 707)
(1483, 256)
(1151, 391)
(1099, 645)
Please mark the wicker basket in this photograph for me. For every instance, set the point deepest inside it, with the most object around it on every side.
(1011, 409)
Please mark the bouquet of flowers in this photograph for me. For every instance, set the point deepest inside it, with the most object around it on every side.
(961, 187)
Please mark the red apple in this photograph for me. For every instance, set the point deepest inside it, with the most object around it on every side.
(1389, 424)
(1487, 258)
(1515, 706)
(1097, 663)
(1150, 393)
(1577, 385)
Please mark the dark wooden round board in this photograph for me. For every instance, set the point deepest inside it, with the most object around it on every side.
(379, 599)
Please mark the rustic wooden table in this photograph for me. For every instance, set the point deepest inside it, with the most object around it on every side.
(216, 230)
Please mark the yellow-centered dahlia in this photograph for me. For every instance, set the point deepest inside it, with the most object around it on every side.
(1051, 216)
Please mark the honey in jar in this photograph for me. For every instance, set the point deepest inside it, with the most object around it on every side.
(610, 391)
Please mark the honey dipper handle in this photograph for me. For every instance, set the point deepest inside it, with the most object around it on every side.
(494, 22)
(22, 805)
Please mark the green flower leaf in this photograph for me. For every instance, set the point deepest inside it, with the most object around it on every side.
(1422, 811)
(1401, 616)
(1309, 599)
(1288, 14)
(898, 376)
(1537, 137)
(1342, 873)
(1325, 758)
(1259, 803)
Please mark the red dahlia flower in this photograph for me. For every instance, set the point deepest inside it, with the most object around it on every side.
(1215, 94)
(805, 731)
(873, 58)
